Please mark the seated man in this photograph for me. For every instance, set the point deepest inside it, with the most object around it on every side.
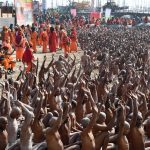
(8, 61)
(3, 133)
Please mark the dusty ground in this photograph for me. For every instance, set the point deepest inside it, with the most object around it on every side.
(41, 55)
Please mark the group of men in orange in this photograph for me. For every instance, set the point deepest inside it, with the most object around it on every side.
(24, 40)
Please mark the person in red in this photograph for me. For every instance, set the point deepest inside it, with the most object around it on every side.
(57, 33)
(73, 38)
(52, 40)
(146, 19)
(44, 37)
(19, 44)
(65, 40)
(28, 56)
(34, 39)
(61, 32)
(97, 22)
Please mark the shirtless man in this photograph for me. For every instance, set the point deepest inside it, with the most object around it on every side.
(26, 132)
(124, 128)
(87, 137)
(43, 69)
(37, 126)
(75, 126)
(101, 130)
(61, 65)
(85, 62)
(52, 135)
(13, 113)
(3, 133)
(136, 134)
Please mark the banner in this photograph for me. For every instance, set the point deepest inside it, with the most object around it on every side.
(24, 12)
(95, 15)
(44, 5)
(36, 8)
(107, 13)
(73, 12)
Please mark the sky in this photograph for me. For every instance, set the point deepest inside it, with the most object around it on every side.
(131, 3)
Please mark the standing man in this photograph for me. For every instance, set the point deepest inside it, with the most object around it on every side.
(52, 40)
(44, 37)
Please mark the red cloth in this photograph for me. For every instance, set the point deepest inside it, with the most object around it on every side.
(73, 35)
(27, 56)
(74, 32)
(18, 39)
(53, 41)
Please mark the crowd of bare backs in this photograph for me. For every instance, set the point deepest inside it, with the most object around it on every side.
(100, 102)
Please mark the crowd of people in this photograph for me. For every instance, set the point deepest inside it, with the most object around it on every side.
(44, 35)
(101, 101)
(81, 20)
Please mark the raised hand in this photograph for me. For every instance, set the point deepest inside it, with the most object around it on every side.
(45, 57)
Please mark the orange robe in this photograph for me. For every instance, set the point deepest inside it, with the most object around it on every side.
(28, 58)
(40, 39)
(53, 41)
(44, 37)
(8, 62)
(8, 45)
(65, 40)
(60, 39)
(6, 36)
(12, 38)
(34, 40)
(73, 43)
(20, 44)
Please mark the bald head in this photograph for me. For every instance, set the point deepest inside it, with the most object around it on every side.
(52, 121)
(102, 117)
(85, 121)
(15, 113)
(126, 127)
(46, 119)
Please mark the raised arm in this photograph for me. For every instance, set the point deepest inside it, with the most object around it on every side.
(73, 74)
(59, 121)
(41, 72)
(28, 114)
(100, 127)
(50, 64)
(39, 106)
(6, 92)
(94, 111)
(143, 106)
(34, 99)
(74, 60)
(94, 92)
(19, 76)
(135, 111)
(37, 66)
(121, 120)
(7, 108)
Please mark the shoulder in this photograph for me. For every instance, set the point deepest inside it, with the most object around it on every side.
(47, 130)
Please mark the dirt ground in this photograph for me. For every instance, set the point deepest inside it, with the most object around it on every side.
(41, 55)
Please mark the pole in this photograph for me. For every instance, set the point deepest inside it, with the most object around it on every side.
(92, 3)
(52, 3)
(56, 3)
(7, 8)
